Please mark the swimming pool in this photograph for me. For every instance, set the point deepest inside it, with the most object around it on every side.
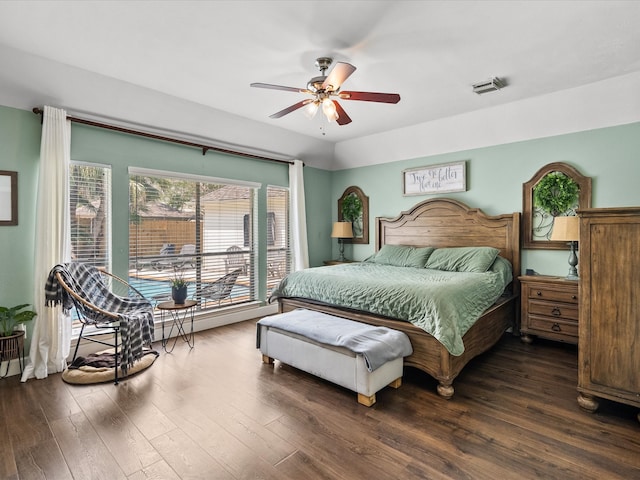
(159, 290)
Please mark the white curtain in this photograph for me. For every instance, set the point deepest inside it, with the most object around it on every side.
(52, 330)
(300, 248)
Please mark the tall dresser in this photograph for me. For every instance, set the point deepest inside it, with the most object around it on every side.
(609, 327)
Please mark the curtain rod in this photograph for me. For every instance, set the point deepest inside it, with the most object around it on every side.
(204, 148)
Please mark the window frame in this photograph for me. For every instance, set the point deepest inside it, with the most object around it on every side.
(201, 277)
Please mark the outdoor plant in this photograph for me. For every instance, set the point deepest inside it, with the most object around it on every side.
(178, 281)
(351, 207)
(556, 193)
(12, 317)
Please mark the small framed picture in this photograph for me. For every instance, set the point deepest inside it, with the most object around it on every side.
(8, 198)
(442, 178)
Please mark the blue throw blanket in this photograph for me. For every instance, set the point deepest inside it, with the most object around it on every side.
(378, 345)
(135, 314)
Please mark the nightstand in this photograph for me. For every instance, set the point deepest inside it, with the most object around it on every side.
(549, 308)
(336, 262)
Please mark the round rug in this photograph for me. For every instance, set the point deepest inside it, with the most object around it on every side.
(87, 375)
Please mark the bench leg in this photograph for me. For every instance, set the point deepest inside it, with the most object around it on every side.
(397, 383)
(267, 359)
(366, 401)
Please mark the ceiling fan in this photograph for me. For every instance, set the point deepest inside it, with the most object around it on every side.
(323, 88)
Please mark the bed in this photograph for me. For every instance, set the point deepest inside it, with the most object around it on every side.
(442, 223)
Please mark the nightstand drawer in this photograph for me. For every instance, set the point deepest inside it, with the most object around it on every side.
(553, 326)
(543, 292)
(564, 311)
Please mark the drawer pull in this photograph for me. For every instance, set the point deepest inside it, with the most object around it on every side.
(556, 328)
(539, 293)
(574, 297)
(556, 312)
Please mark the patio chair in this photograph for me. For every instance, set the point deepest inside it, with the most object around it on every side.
(221, 288)
(188, 254)
(235, 259)
(167, 250)
(276, 263)
(176, 261)
(86, 288)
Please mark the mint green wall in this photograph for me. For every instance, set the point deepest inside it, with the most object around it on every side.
(19, 151)
(495, 176)
(318, 201)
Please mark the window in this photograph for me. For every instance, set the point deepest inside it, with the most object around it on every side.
(271, 229)
(195, 227)
(90, 213)
(278, 252)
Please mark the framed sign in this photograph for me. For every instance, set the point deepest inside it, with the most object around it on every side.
(442, 178)
(8, 198)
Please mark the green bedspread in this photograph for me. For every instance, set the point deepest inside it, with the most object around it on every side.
(444, 304)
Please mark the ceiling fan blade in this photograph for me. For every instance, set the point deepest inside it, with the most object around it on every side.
(338, 75)
(343, 118)
(290, 109)
(371, 97)
(279, 87)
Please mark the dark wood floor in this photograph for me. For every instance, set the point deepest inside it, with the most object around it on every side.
(217, 412)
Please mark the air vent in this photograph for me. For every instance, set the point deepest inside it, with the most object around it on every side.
(492, 85)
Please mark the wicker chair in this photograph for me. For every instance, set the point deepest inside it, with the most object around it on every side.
(97, 306)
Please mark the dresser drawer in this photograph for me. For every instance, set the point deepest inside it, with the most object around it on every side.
(564, 311)
(553, 326)
(557, 294)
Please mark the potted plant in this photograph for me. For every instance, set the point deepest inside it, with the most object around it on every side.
(10, 318)
(11, 339)
(179, 288)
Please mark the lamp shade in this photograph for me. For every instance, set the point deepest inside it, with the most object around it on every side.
(566, 229)
(342, 230)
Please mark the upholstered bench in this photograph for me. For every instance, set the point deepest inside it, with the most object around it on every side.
(354, 355)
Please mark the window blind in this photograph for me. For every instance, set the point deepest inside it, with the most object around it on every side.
(194, 228)
(90, 213)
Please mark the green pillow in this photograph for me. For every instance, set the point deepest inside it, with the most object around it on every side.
(402, 256)
(463, 259)
(419, 256)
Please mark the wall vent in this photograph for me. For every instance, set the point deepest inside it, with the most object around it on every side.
(492, 85)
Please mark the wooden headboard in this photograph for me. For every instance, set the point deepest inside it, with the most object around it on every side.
(442, 222)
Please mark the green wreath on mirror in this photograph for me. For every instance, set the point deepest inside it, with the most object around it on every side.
(556, 193)
(351, 207)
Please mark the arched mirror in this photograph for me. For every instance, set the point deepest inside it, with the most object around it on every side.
(353, 206)
(555, 189)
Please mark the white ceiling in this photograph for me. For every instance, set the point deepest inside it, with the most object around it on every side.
(430, 52)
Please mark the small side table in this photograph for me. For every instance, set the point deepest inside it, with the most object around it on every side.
(549, 308)
(178, 313)
(337, 262)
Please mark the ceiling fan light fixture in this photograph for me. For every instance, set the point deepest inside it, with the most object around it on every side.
(323, 87)
(329, 109)
(311, 109)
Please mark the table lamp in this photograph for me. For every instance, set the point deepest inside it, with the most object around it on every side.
(567, 229)
(342, 230)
